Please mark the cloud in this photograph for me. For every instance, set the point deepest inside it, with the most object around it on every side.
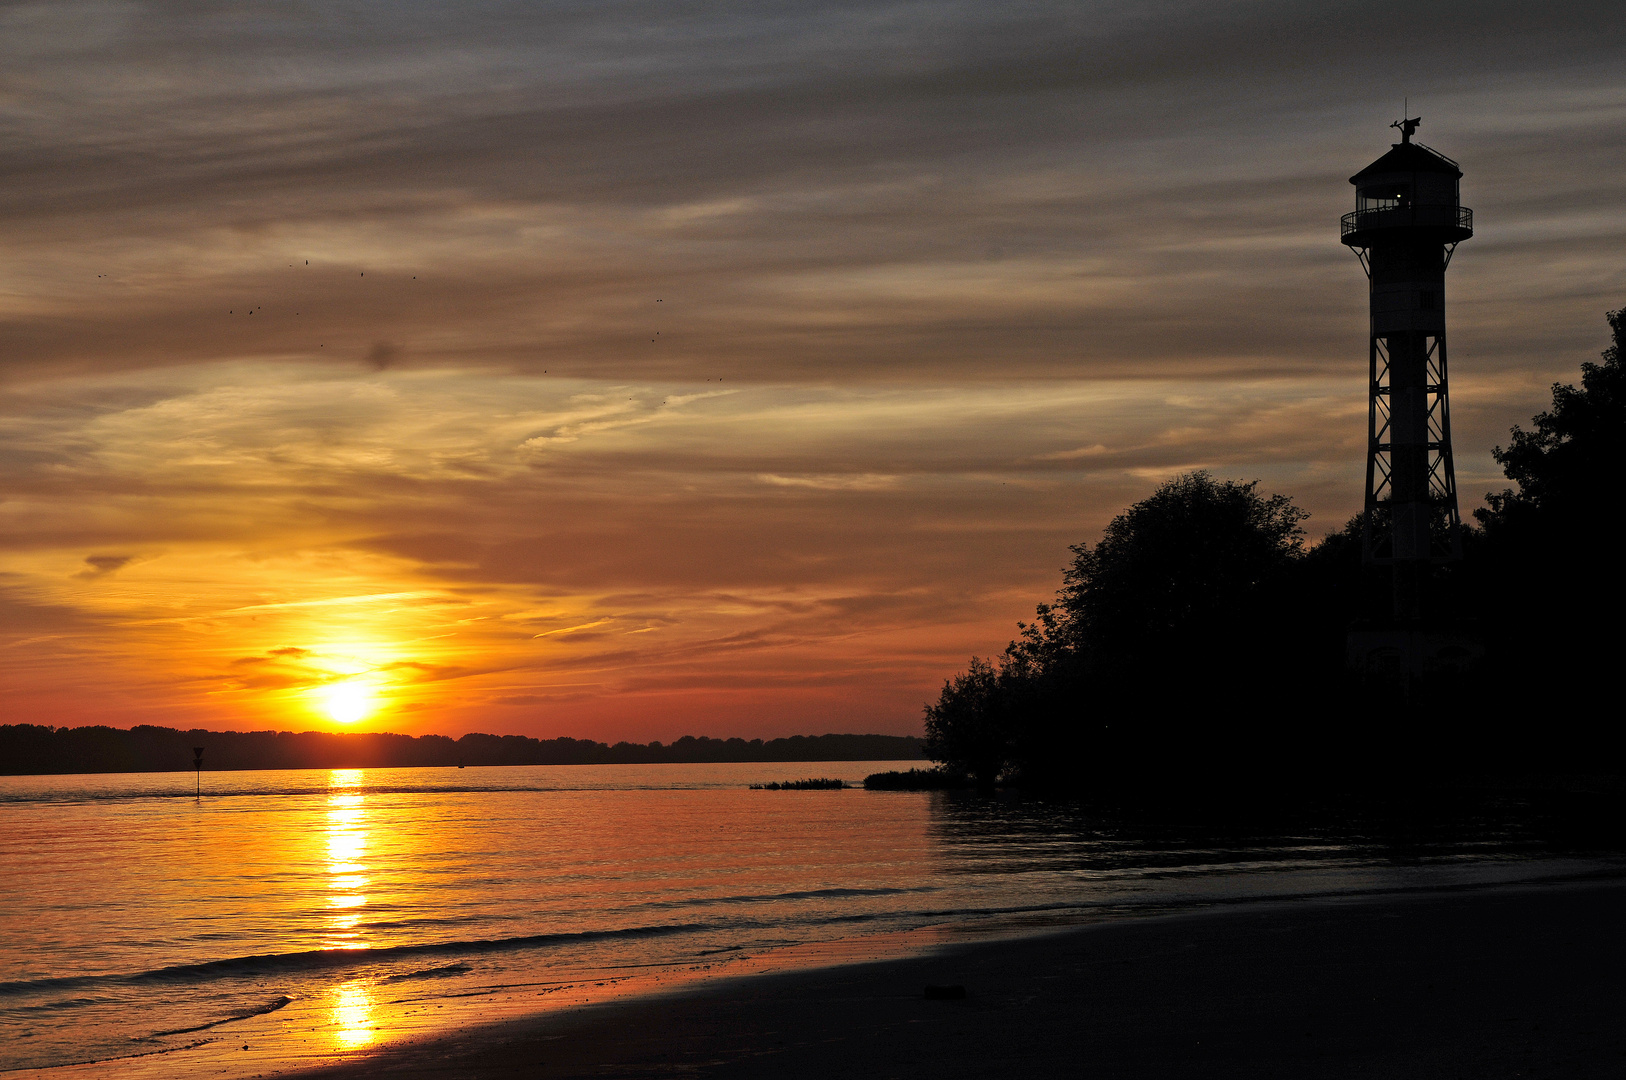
(102, 565)
(828, 482)
(809, 192)
(577, 629)
(382, 355)
(418, 671)
(1093, 450)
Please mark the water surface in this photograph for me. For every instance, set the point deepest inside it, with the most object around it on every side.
(306, 914)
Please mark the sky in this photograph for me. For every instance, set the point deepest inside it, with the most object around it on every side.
(631, 370)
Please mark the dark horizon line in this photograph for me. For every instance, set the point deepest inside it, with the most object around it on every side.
(33, 749)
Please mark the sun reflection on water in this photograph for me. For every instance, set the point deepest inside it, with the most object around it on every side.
(346, 837)
(346, 848)
(352, 1015)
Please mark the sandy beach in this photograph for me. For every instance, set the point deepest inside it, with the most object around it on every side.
(1486, 983)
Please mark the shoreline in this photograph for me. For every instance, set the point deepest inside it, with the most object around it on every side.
(1481, 982)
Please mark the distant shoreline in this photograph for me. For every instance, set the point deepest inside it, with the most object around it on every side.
(37, 750)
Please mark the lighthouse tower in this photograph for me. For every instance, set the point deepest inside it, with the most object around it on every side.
(1407, 222)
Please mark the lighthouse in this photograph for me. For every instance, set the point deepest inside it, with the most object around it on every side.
(1407, 223)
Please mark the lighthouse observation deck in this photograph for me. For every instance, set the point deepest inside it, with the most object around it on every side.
(1447, 223)
(1407, 197)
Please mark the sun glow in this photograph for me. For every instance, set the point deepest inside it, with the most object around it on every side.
(349, 701)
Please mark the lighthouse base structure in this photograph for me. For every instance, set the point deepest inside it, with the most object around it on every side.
(1398, 652)
(1411, 518)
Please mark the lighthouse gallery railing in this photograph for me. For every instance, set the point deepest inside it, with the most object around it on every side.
(1388, 217)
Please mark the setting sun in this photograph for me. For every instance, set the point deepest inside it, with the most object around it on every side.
(348, 701)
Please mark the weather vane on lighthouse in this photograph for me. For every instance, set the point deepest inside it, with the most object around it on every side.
(1407, 223)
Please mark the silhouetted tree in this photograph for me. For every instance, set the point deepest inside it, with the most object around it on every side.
(1551, 585)
(969, 728)
(1176, 568)
(1155, 628)
(1572, 457)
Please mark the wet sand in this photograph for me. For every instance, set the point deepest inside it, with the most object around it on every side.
(1479, 984)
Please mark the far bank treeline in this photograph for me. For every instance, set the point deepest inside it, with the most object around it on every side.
(1201, 643)
(30, 748)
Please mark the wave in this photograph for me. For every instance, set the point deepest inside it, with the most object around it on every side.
(688, 902)
(259, 1010)
(312, 960)
(769, 898)
(447, 972)
(322, 959)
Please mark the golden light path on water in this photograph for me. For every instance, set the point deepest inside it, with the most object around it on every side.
(346, 837)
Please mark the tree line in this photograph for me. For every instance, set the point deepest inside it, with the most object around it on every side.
(1201, 641)
(32, 748)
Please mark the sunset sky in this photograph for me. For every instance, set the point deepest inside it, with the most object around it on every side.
(628, 370)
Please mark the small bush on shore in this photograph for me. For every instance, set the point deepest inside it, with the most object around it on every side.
(822, 783)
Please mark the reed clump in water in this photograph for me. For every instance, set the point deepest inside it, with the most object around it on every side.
(915, 780)
(822, 783)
